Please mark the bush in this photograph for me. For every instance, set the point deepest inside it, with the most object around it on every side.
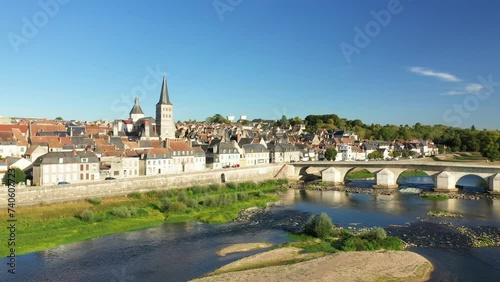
(232, 186)
(375, 234)
(123, 211)
(164, 204)
(182, 196)
(177, 207)
(242, 196)
(210, 201)
(214, 187)
(153, 194)
(136, 195)
(192, 203)
(359, 244)
(142, 212)
(319, 226)
(94, 201)
(87, 215)
(199, 189)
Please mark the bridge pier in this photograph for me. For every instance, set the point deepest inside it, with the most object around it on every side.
(445, 182)
(494, 183)
(332, 175)
(386, 179)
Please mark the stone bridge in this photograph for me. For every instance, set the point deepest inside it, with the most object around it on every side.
(444, 174)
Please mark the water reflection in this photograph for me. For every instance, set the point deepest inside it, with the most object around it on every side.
(179, 252)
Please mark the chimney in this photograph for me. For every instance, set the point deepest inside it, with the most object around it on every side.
(146, 128)
(74, 152)
(167, 143)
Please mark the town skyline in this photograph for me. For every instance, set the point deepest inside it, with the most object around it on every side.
(298, 59)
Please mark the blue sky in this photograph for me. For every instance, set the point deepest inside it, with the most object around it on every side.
(87, 60)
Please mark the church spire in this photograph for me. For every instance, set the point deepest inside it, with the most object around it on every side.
(164, 98)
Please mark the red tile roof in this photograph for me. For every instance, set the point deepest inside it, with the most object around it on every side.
(180, 146)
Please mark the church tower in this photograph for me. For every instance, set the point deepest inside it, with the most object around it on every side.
(165, 114)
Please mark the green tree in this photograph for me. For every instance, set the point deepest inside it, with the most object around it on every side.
(59, 118)
(396, 154)
(330, 154)
(15, 177)
(319, 226)
(375, 155)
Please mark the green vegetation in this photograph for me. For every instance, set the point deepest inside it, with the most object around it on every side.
(413, 173)
(435, 197)
(320, 235)
(375, 155)
(438, 213)
(448, 139)
(330, 154)
(360, 174)
(319, 226)
(16, 177)
(94, 201)
(49, 225)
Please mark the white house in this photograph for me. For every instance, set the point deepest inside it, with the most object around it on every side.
(254, 154)
(72, 167)
(156, 161)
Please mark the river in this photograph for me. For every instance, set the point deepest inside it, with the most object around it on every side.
(179, 252)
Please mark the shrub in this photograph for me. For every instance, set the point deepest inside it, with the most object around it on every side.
(242, 196)
(135, 195)
(94, 201)
(142, 212)
(177, 207)
(359, 244)
(319, 226)
(153, 194)
(375, 234)
(214, 187)
(392, 243)
(199, 189)
(232, 186)
(87, 215)
(192, 203)
(122, 211)
(210, 201)
(163, 204)
(182, 196)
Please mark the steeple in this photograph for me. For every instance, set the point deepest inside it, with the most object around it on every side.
(164, 98)
(136, 109)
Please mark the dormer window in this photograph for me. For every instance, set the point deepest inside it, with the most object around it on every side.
(85, 160)
(61, 160)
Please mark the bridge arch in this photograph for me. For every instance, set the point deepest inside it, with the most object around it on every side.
(472, 182)
(412, 177)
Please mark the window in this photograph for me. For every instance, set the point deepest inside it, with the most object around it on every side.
(61, 160)
(85, 160)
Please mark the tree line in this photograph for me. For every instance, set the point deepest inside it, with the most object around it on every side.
(447, 138)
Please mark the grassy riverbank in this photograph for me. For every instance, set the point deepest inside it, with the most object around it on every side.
(45, 226)
(365, 174)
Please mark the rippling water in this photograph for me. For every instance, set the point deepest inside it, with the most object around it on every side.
(179, 252)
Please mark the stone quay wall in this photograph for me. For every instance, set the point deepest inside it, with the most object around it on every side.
(33, 195)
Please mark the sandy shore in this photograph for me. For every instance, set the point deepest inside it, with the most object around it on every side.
(236, 248)
(345, 266)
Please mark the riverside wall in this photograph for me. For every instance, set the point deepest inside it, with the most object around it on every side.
(32, 195)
